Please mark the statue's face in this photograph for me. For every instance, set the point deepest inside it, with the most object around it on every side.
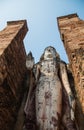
(49, 53)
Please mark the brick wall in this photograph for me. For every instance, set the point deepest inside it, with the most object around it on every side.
(12, 71)
(72, 34)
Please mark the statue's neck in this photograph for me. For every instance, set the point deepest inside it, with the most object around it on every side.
(50, 59)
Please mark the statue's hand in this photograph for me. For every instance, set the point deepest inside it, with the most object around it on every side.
(72, 105)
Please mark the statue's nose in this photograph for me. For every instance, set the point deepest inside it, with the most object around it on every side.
(49, 50)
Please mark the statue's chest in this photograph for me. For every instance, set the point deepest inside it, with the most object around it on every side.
(48, 67)
(49, 79)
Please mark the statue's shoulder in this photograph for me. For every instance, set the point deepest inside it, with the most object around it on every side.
(35, 66)
(63, 63)
(63, 66)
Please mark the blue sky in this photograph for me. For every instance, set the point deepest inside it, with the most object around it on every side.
(41, 18)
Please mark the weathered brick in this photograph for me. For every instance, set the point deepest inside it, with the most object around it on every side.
(72, 34)
(12, 71)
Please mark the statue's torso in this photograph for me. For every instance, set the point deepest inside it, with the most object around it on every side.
(48, 96)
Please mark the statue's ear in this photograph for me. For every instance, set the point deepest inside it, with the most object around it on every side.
(57, 56)
(42, 57)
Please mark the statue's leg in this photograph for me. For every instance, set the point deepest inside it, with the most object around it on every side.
(49, 104)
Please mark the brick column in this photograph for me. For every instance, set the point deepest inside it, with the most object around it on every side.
(12, 71)
(72, 34)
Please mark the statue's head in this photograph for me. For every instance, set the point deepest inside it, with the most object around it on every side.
(50, 53)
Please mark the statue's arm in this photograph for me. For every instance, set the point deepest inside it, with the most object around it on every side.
(33, 78)
(65, 81)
